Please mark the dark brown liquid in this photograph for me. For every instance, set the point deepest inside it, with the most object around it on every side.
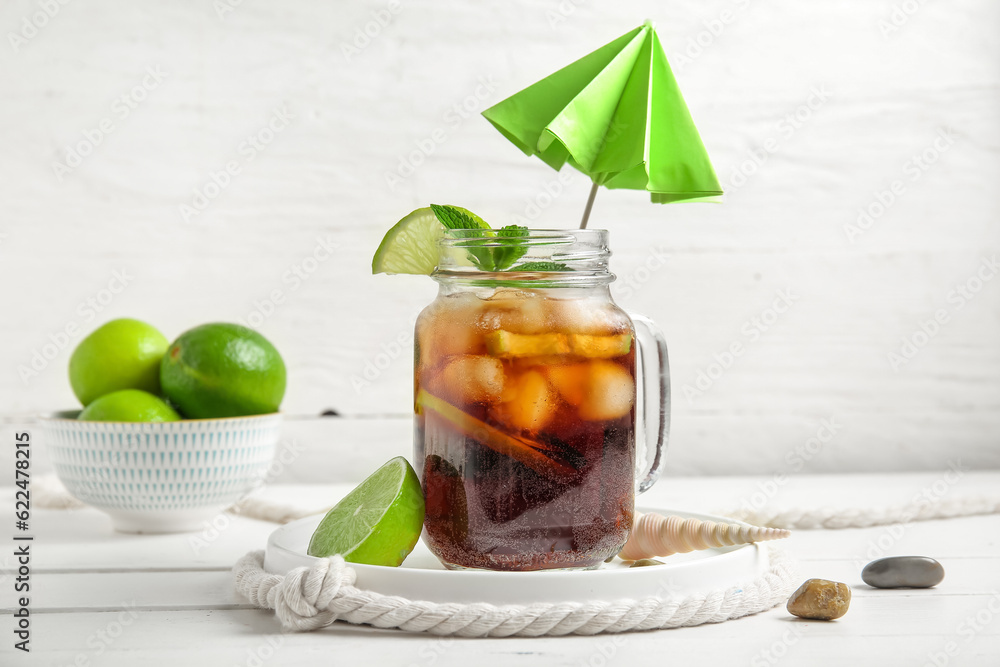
(487, 510)
(535, 477)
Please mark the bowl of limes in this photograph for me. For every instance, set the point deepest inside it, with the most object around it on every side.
(170, 434)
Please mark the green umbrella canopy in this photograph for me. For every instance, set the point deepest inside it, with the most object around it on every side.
(618, 116)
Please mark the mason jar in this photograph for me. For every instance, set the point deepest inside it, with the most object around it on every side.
(530, 387)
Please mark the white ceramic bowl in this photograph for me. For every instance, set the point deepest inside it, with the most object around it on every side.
(163, 477)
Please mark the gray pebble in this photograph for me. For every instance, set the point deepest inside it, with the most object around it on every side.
(903, 572)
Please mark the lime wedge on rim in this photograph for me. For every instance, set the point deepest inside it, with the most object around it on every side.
(377, 523)
(411, 245)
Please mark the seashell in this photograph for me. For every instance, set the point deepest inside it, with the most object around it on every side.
(657, 535)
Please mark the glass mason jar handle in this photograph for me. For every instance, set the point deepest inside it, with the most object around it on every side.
(652, 401)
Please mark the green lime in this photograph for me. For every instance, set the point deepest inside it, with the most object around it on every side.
(129, 405)
(121, 354)
(411, 245)
(223, 370)
(378, 522)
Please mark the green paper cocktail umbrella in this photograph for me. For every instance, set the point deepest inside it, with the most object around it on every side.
(618, 116)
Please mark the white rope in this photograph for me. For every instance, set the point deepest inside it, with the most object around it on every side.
(49, 493)
(310, 598)
(262, 509)
(866, 517)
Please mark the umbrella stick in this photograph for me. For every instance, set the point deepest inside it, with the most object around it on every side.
(590, 205)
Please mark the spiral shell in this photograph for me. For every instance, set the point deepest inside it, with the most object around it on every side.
(657, 535)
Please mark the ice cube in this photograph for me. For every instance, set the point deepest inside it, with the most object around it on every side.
(588, 316)
(570, 381)
(528, 402)
(470, 379)
(508, 294)
(609, 394)
(448, 327)
(515, 310)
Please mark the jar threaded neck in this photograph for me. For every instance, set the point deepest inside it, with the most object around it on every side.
(532, 257)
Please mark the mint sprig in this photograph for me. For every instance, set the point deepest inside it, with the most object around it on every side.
(506, 247)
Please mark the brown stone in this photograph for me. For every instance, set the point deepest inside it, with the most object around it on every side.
(820, 599)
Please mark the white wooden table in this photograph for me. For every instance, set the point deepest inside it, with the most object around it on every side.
(102, 598)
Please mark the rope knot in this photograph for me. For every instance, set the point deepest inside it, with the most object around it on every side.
(308, 598)
(303, 599)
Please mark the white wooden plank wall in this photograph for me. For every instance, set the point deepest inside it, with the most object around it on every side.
(812, 112)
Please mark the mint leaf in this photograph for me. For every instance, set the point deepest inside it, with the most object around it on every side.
(453, 217)
(541, 266)
(513, 231)
(512, 248)
(482, 258)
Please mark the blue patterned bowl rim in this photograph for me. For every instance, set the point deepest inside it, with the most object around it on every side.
(67, 423)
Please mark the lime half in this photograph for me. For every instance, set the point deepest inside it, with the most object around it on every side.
(377, 523)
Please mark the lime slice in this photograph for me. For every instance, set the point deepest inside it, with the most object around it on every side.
(600, 347)
(411, 245)
(377, 523)
(508, 345)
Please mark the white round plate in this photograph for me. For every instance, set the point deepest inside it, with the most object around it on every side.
(422, 577)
